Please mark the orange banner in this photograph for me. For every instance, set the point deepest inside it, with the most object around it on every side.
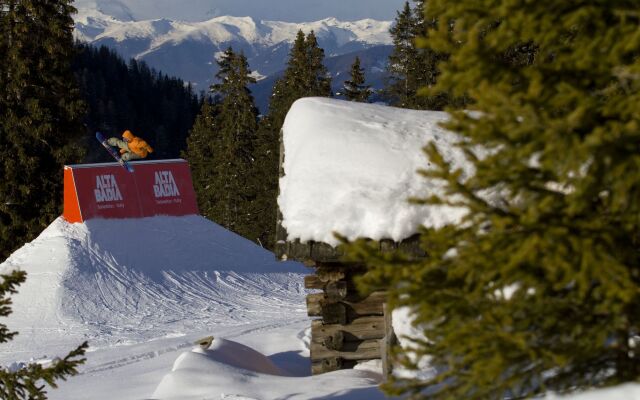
(109, 191)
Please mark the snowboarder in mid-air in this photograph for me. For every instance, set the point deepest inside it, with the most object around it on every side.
(132, 147)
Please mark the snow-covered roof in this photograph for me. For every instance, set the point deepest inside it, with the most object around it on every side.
(351, 168)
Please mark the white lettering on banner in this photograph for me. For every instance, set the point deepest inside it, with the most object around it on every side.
(165, 185)
(170, 201)
(107, 189)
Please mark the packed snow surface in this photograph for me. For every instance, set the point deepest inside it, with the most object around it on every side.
(141, 292)
(351, 168)
(126, 280)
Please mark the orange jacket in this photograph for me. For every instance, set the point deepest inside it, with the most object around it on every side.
(136, 145)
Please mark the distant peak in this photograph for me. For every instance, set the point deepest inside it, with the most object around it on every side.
(331, 20)
(230, 18)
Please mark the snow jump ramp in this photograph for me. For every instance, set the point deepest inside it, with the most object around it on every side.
(159, 187)
(130, 261)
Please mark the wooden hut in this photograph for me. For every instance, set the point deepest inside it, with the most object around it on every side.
(329, 147)
(349, 328)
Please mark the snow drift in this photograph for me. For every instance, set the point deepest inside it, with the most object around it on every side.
(230, 370)
(131, 280)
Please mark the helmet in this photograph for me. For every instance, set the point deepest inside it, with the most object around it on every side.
(127, 135)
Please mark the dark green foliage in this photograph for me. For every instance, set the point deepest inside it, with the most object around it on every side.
(305, 76)
(401, 88)
(119, 96)
(29, 381)
(267, 155)
(40, 115)
(539, 288)
(355, 88)
(413, 63)
(200, 144)
(220, 149)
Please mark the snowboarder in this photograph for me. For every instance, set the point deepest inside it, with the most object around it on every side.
(132, 147)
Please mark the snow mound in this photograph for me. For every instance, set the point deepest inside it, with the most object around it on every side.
(128, 281)
(357, 163)
(236, 355)
(230, 370)
(628, 391)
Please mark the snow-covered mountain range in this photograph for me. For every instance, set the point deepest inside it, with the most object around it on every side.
(188, 50)
(276, 10)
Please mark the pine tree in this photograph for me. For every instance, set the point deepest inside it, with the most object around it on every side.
(413, 64)
(29, 381)
(40, 115)
(266, 151)
(401, 87)
(200, 144)
(317, 78)
(305, 76)
(221, 149)
(238, 122)
(355, 88)
(538, 288)
(427, 71)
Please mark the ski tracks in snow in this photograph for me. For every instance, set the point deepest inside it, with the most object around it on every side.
(177, 345)
(118, 301)
(115, 282)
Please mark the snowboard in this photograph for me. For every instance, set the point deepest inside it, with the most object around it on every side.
(113, 153)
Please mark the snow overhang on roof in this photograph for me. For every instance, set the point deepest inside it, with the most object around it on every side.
(351, 168)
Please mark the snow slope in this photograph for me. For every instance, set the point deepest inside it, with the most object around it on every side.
(130, 281)
(142, 291)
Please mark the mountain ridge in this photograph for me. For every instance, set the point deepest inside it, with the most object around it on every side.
(280, 10)
(94, 26)
(189, 50)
